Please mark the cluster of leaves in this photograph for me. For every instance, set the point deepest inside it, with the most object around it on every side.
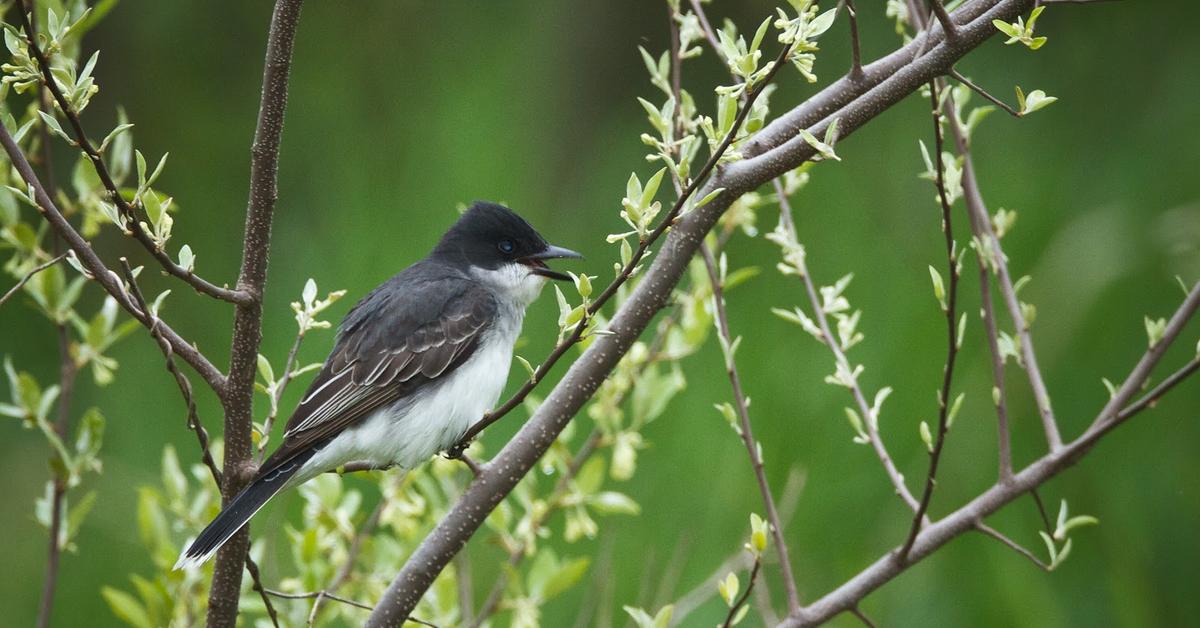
(56, 292)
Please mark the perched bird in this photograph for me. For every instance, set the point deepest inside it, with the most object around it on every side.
(416, 362)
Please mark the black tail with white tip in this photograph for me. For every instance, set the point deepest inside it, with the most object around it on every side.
(239, 511)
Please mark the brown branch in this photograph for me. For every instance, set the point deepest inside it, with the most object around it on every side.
(982, 92)
(134, 226)
(777, 148)
(747, 433)
(733, 608)
(951, 313)
(107, 279)
(944, 18)
(238, 399)
(181, 381)
(856, 72)
(193, 419)
(627, 271)
(29, 275)
(981, 224)
(1003, 435)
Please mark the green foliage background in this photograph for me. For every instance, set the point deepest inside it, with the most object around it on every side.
(401, 110)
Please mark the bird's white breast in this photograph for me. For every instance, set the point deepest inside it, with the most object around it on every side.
(412, 431)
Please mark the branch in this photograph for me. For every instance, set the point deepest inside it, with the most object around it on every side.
(709, 33)
(871, 423)
(238, 399)
(29, 275)
(982, 92)
(951, 312)
(733, 608)
(134, 226)
(747, 434)
(856, 71)
(981, 225)
(966, 518)
(887, 82)
(193, 420)
(944, 18)
(102, 275)
(1013, 545)
(277, 394)
(347, 567)
(627, 271)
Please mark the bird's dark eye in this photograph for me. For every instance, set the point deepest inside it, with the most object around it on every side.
(506, 246)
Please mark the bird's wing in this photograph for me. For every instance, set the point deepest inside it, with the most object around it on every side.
(419, 326)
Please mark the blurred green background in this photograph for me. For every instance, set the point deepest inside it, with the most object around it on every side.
(400, 110)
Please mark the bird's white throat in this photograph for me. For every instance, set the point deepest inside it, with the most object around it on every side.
(511, 282)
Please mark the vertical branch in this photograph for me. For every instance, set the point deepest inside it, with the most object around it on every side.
(747, 434)
(951, 311)
(856, 71)
(981, 224)
(67, 370)
(247, 325)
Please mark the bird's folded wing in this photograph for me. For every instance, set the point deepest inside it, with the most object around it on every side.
(391, 346)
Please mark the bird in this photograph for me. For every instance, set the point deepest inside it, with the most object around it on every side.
(415, 363)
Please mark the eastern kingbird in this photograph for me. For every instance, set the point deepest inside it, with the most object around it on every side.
(415, 363)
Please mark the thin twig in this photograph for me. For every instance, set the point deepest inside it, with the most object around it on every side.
(854, 610)
(1013, 545)
(1000, 396)
(133, 224)
(308, 595)
(951, 313)
(277, 394)
(29, 275)
(627, 271)
(871, 424)
(343, 574)
(981, 223)
(193, 420)
(109, 280)
(982, 92)
(733, 608)
(705, 26)
(856, 71)
(747, 433)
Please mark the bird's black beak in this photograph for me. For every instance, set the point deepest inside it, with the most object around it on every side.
(537, 261)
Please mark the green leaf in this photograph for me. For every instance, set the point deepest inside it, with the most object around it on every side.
(614, 503)
(126, 607)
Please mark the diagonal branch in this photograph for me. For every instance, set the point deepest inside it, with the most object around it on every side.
(107, 279)
(966, 518)
(29, 275)
(747, 434)
(887, 81)
(193, 420)
(627, 271)
(93, 155)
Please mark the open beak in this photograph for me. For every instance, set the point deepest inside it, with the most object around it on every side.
(537, 261)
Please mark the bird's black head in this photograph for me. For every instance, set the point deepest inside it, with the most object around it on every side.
(490, 236)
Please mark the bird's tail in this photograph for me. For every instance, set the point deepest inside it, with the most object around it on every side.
(238, 512)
